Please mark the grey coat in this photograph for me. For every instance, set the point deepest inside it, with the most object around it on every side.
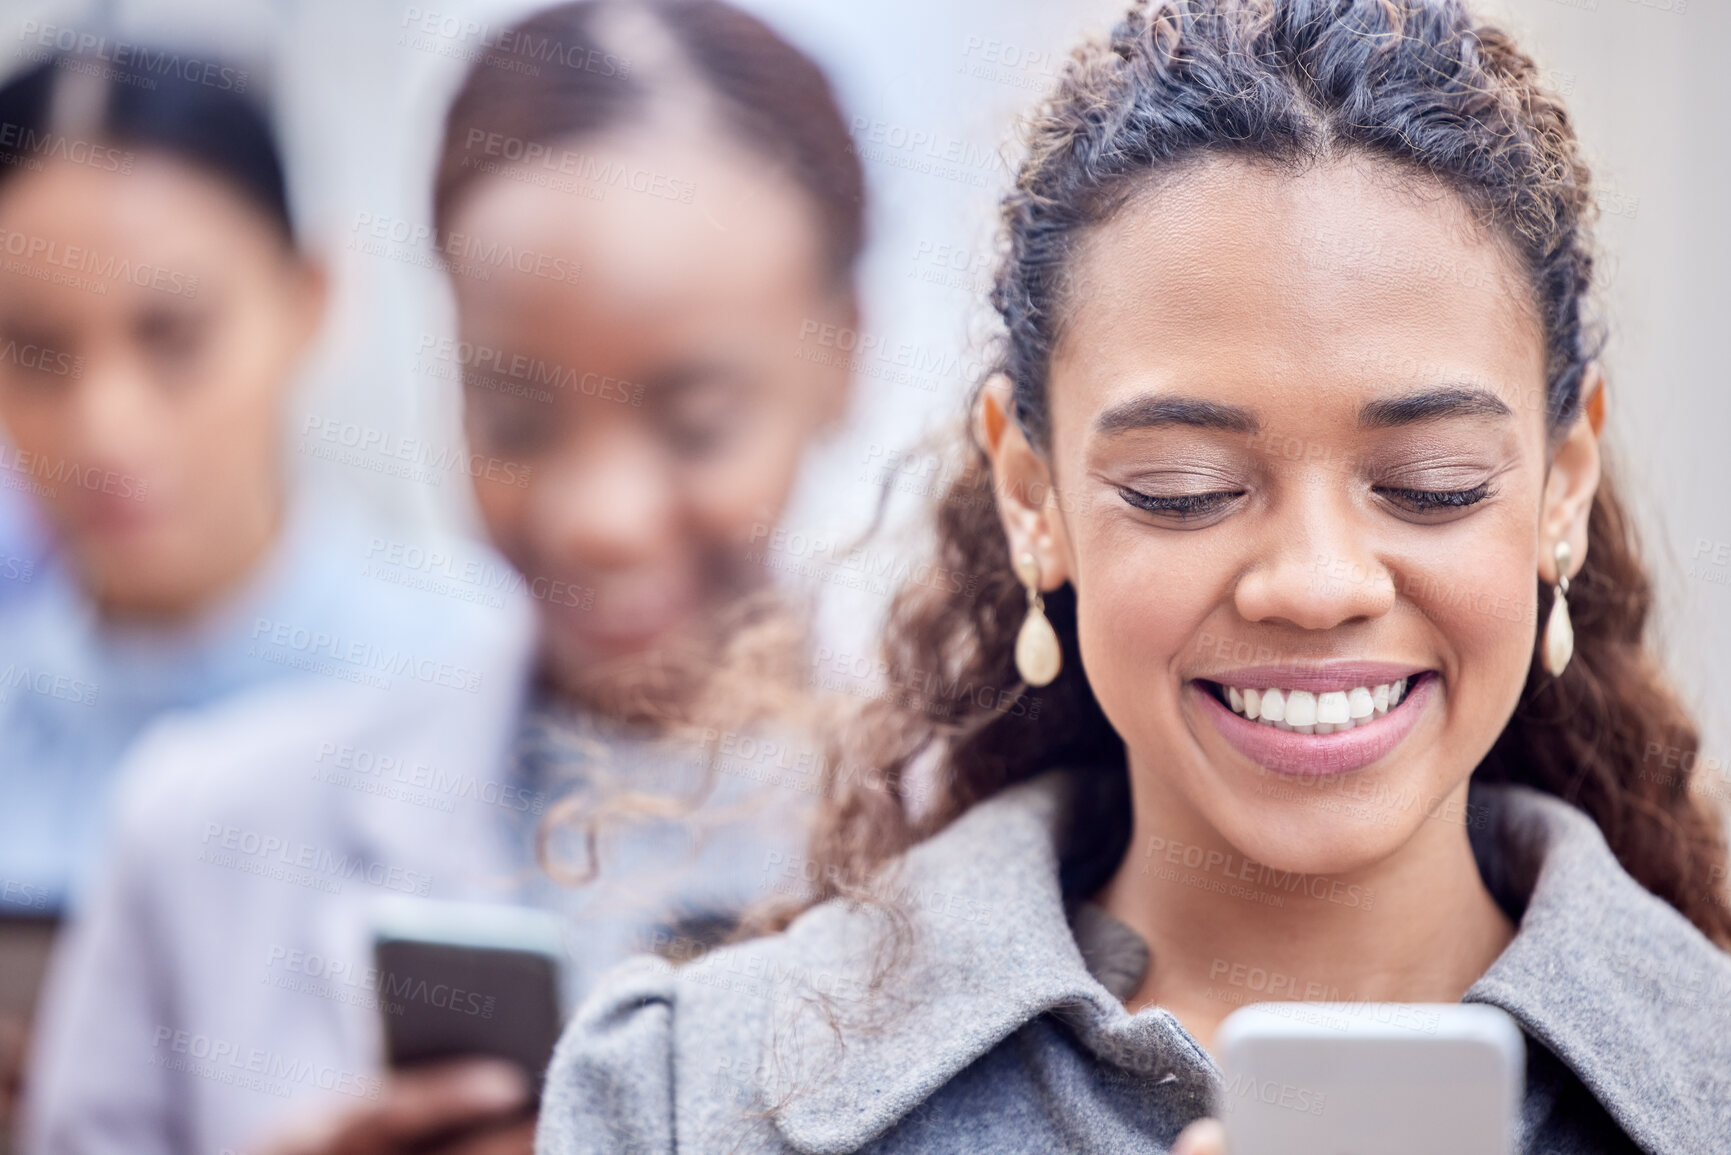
(1002, 1032)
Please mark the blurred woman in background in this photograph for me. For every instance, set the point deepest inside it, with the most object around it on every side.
(154, 307)
(641, 236)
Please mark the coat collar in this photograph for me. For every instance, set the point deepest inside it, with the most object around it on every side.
(1611, 979)
(1623, 989)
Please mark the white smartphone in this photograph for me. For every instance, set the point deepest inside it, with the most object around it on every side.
(1371, 1079)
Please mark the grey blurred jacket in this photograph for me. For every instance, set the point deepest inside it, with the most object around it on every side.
(1004, 1032)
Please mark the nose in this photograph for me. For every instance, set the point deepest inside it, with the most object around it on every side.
(1319, 570)
(611, 505)
(114, 416)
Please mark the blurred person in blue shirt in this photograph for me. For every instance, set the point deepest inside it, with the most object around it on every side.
(26, 550)
(645, 232)
(154, 309)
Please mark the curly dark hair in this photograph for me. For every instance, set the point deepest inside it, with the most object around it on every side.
(1419, 85)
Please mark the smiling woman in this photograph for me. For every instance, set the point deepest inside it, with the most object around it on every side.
(1294, 438)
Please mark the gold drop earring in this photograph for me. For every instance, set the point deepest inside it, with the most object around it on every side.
(1559, 630)
(1038, 655)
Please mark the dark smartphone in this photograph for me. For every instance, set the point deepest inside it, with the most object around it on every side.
(465, 980)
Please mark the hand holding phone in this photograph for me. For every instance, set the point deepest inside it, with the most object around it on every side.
(1369, 1079)
(465, 1107)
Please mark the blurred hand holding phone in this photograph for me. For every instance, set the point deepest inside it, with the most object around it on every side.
(470, 999)
(1365, 1079)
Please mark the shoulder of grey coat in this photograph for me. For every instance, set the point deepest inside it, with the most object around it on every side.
(775, 1044)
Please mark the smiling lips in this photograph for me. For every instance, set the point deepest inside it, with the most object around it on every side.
(1316, 721)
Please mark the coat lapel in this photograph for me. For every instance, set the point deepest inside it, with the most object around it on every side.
(990, 949)
(1617, 984)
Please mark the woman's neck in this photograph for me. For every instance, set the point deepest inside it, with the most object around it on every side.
(1417, 927)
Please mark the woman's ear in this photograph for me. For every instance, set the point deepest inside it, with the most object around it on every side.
(1572, 482)
(838, 389)
(309, 290)
(1027, 503)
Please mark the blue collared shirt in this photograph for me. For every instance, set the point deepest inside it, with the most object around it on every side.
(77, 691)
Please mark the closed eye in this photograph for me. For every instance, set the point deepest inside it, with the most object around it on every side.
(1183, 506)
(1435, 500)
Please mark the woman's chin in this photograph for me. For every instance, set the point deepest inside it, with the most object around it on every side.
(640, 674)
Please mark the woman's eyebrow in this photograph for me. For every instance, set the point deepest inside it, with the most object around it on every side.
(1432, 405)
(1151, 411)
(1154, 410)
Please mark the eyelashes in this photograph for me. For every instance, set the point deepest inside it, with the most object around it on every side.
(1182, 506)
(1194, 506)
(1436, 500)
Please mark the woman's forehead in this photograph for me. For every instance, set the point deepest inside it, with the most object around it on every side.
(1242, 274)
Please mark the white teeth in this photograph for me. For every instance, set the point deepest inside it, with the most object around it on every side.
(1273, 706)
(1306, 712)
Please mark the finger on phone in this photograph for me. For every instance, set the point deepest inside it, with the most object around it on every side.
(1203, 1137)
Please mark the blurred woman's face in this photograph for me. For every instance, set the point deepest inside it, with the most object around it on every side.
(1298, 444)
(148, 323)
(634, 376)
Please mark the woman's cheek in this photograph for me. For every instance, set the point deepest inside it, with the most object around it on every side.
(1139, 615)
(505, 512)
(1480, 600)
